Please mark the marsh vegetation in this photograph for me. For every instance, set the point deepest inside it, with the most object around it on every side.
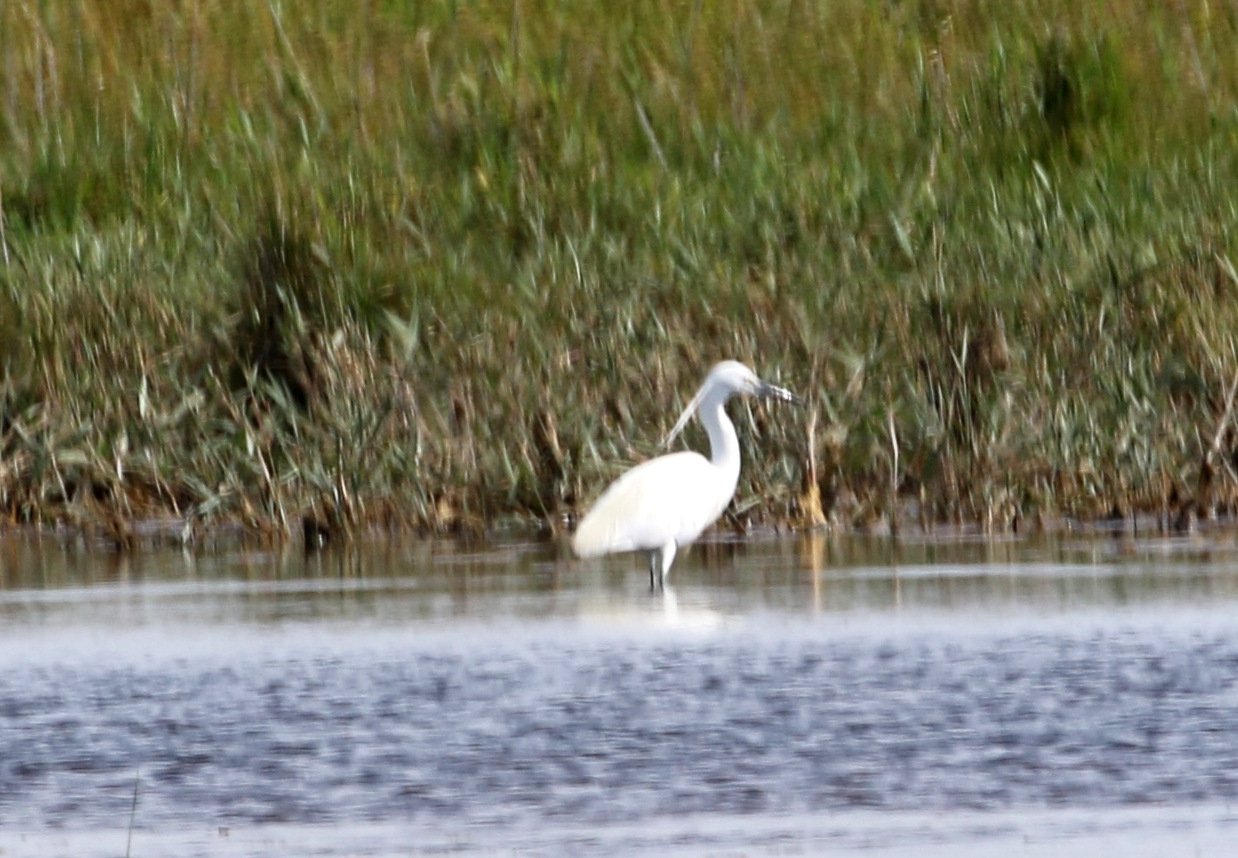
(314, 268)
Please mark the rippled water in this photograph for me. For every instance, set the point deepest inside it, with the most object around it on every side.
(785, 697)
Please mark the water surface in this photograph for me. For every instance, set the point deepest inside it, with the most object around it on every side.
(808, 696)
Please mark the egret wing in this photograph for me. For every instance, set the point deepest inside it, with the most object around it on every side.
(670, 498)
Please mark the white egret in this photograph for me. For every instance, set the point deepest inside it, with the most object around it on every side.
(666, 502)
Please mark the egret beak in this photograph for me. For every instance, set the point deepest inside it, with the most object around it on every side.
(770, 391)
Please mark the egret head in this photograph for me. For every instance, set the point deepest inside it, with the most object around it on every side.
(726, 379)
(733, 377)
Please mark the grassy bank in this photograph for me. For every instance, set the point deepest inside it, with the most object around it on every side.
(325, 266)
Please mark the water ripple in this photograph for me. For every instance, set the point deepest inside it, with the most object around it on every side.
(612, 730)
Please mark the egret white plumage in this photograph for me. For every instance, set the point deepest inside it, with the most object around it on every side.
(665, 503)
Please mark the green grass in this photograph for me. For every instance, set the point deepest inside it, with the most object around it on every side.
(320, 267)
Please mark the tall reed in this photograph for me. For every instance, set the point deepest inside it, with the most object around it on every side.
(318, 267)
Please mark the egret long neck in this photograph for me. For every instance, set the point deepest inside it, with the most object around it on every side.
(723, 442)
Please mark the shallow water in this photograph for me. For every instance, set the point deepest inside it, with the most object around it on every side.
(803, 696)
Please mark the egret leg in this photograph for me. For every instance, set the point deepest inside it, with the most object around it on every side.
(660, 560)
